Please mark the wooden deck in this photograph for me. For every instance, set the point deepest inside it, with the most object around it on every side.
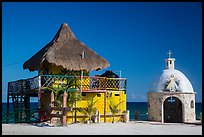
(21, 90)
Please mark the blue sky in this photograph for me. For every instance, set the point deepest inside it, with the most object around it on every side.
(133, 36)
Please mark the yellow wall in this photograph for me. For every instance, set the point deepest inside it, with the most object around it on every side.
(100, 105)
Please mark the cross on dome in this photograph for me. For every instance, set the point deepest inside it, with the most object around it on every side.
(169, 61)
(169, 53)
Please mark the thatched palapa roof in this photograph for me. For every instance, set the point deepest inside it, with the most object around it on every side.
(67, 51)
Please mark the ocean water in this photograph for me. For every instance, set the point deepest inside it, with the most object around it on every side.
(133, 107)
(33, 107)
(142, 109)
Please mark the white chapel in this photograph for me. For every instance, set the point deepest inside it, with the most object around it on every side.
(171, 98)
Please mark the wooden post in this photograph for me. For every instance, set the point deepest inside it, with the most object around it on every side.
(39, 97)
(105, 107)
(7, 114)
(126, 116)
(27, 107)
(201, 117)
(64, 112)
(21, 100)
(98, 117)
(137, 115)
(52, 105)
(14, 101)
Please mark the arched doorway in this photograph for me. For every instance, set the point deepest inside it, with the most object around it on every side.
(172, 110)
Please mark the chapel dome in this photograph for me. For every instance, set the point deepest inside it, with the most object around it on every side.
(171, 80)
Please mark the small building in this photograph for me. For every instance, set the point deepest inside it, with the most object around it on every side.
(64, 64)
(171, 98)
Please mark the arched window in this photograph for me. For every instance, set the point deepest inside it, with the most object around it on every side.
(192, 104)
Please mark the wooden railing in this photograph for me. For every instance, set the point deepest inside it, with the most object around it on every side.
(85, 83)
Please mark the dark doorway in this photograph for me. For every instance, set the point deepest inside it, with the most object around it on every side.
(172, 110)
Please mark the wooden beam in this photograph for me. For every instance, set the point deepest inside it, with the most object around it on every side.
(105, 94)
(39, 96)
(7, 114)
(52, 106)
(21, 100)
(64, 112)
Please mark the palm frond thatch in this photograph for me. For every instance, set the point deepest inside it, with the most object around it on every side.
(66, 50)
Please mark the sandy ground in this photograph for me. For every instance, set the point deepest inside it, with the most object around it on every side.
(130, 128)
